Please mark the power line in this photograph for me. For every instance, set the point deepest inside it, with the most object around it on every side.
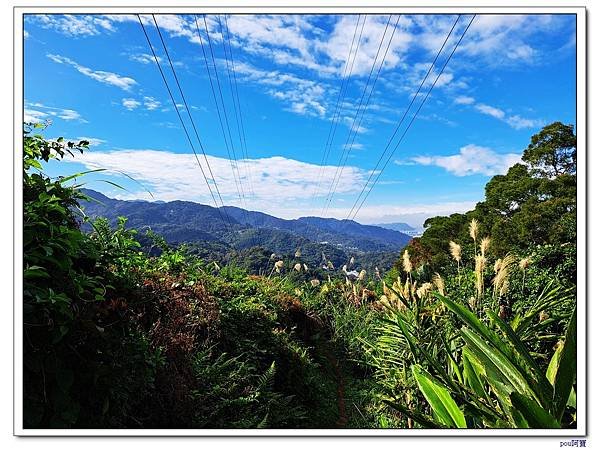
(238, 115)
(415, 115)
(231, 160)
(236, 176)
(237, 122)
(340, 99)
(235, 83)
(404, 115)
(345, 149)
(182, 121)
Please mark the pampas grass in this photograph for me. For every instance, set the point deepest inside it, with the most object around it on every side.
(456, 252)
(406, 264)
(484, 245)
(424, 290)
(278, 266)
(502, 278)
(473, 228)
(438, 282)
(523, 265)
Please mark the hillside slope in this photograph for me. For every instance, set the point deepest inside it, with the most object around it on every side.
(180, 221)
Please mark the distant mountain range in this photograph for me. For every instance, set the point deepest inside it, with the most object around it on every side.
(401, 227)
(188, 222)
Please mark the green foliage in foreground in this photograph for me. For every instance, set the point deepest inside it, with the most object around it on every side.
(117, 337)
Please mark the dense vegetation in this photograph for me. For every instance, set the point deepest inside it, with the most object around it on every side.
(474, 327)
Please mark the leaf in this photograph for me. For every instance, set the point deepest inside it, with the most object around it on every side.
(475, 324)
(534, 414)
(444, 407)
(79, 174)
(530, 369)
(471, 375)
(496, 364)
(566, 369)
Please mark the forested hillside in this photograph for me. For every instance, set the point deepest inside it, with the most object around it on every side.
(474, 327)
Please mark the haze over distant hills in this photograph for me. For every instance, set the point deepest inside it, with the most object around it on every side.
(188, 222)
(402, 227)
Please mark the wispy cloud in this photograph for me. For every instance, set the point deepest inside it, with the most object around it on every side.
(464, 100)
(94, 142)
(150, 103)
(302, 96)
(38, 112)
(515, 121)
(74, 25)
(110, 78)
(130, 103)
(471, 160)
(144, 58)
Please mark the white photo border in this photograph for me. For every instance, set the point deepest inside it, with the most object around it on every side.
(233, 7)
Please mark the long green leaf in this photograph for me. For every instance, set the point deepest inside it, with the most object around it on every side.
(444, 407)
(476, 325)
(471, 375)
(567, 368)
(530, 369)
(79, 174)
(534, 414)
(497, 365)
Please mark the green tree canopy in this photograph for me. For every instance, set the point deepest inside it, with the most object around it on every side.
(533, 204)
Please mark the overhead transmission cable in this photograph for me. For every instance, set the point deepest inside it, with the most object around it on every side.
(235, 111)
(359, 110)
(239, 106)
(415, 115)
(340, 99)
(214, 95)
(232, 160)
(189, 139)
(415, 95)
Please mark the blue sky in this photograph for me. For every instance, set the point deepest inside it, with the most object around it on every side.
(94, 77)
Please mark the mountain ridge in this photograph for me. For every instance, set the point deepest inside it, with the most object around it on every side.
(189, 222)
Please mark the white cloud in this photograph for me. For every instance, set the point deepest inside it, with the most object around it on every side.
(490, 111)
(518, 122)
(75, 25)
(464, 100)
(176, 176)
(34, 116)
(101, 76)
(130, 103)
(69, 114)
(144, 58)
(150, 103)
(302, 96)
(502, 39)
(93, 141)
(43, 112)
(515, 121)
(471, 160)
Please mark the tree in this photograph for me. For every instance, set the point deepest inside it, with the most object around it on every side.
(552, 152)
(533, 204)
